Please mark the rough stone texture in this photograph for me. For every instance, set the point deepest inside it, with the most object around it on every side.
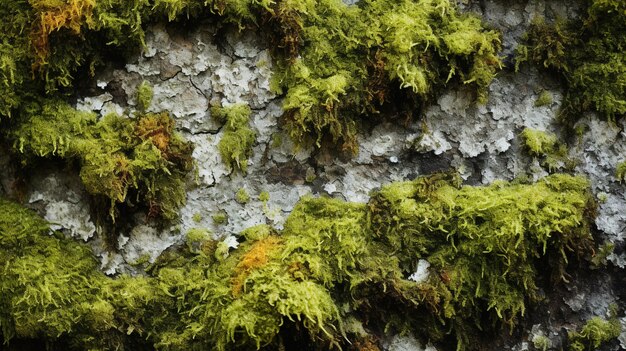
(190, 71)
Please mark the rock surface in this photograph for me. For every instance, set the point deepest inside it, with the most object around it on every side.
(191, 71)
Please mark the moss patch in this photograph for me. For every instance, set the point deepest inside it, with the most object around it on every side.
(336, 274)
(236, 144)
(336, 63)
(588, 53)
(594, 333)
(117, 155)
(548, 148)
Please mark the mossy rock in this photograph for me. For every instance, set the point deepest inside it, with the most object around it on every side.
(334, 267)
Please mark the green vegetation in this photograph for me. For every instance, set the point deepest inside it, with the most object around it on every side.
(144, 96)
(242, 196)
(118, 156)
(588, 53)
(546, 146)
(221, 217)
(620, 171)
(238, 139)
(264, 196)
(344, 62)
(594, 333)
(335, 273)
(544, 99)
(336, 63)
(541, 342)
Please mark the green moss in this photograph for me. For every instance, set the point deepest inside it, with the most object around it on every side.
(599, 259)
(334, 266)
(242, 196)
(544, 99)
(236, 144)
(620, 171)
(117, 155)
(547, 146)
(220, 217)
(144, 96)
(541, 342)
(197, 217)
(197, 237)
(264, 196)
(347, 61)
(539, 142)
(587, 53)
(337, 64)
(594, 333)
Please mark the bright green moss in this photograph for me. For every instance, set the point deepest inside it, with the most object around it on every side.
(236, 144)
(594, 333)
(347, 61)
(117, 155)
(264, 196)
(482, 240)
(588, 53)
(333, 266)
(539, 142)
(546, 146)
(242, 196)
(336, 63)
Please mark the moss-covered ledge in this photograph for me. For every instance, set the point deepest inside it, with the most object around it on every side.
(322, 281)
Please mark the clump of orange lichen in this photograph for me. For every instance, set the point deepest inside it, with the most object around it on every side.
(53, 15)
(157, 128)
(258, 256)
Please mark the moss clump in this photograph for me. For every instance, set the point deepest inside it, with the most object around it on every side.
(51, 289)
(347, 61)
(544, 99)
(547, 146)
(236, 143)
(588, 53)
(264, 196)
(242, 196)
(144, 96)
(482, 242)
(541, 342)
(594, 333)
(118, 156)
(620, 171)
(220, 217)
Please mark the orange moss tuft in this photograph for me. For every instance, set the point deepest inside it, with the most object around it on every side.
(157, 128)
(258, 256)
(53, 16)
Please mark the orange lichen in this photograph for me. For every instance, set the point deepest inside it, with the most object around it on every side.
(258, 256)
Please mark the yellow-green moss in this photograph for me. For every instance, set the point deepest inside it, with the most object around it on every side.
(117, 155)
(544, 99)
(144, 96)
(236, 143)
(220, 217)
(335, 264)
(620, 171)
(242, 196)
(594, 333)
(345, 62)
(336, 63)
(546, 146)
